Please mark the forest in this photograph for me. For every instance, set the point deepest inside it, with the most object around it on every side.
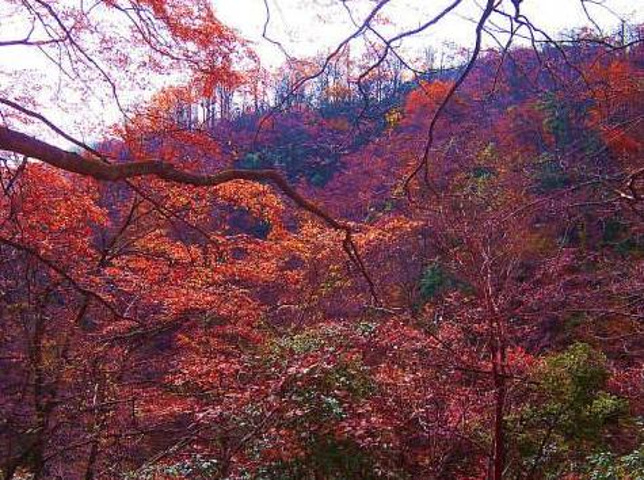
(372, 262)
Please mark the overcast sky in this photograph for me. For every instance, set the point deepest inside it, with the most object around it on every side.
(306, 27)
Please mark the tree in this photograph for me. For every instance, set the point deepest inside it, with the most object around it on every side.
(169, 316)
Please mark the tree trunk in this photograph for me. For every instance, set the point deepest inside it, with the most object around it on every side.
(498, 453)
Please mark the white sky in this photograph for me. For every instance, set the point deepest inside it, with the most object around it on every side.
(306, 27)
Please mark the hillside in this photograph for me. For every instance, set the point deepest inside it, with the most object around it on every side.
(425, 275)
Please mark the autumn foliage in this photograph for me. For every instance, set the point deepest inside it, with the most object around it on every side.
(487, 311)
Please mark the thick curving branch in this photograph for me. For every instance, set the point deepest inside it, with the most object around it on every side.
(17, 142)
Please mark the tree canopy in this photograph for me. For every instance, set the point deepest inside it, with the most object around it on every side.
(364, 264)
